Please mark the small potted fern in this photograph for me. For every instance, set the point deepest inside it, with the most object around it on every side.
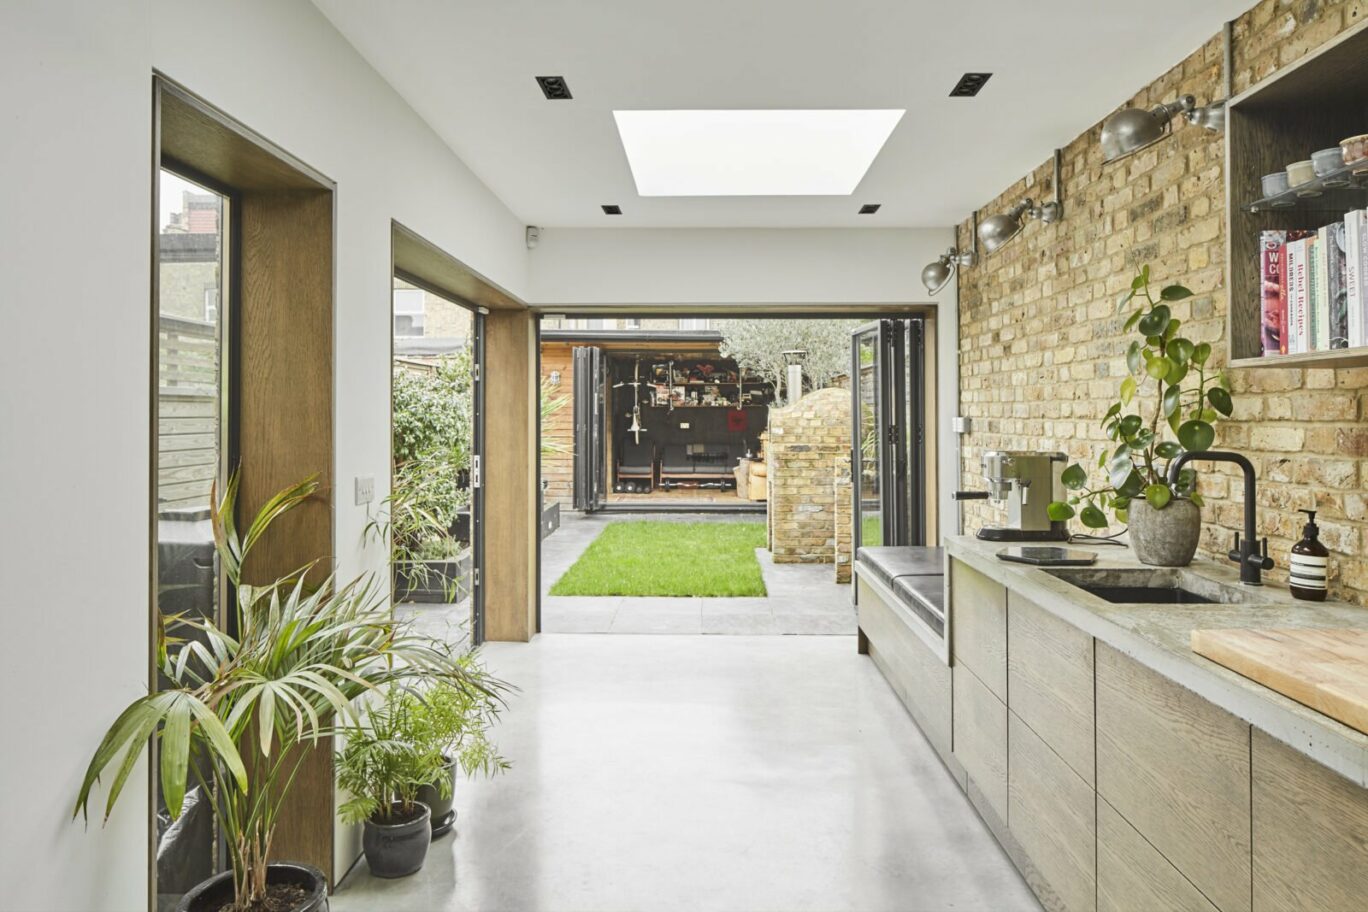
(1168, 404)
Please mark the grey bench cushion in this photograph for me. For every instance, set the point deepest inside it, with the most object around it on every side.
(924, 595)
(890, 563)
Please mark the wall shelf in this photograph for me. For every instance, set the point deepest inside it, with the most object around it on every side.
(1305, 107)
(1337, 191)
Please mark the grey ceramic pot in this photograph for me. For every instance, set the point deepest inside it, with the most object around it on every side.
(214, 893)
(431, 795)
(1167, 537)
(398, 849)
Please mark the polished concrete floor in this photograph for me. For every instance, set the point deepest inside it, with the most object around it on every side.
(704, 773)
(802, 599)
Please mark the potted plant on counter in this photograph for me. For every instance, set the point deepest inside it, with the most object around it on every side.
(383, 770)
(243, 710)
(454, 724)
(1168, 404)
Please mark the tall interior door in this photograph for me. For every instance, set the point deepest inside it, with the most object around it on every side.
(590, 390)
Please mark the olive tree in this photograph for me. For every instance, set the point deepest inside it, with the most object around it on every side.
(758, 347)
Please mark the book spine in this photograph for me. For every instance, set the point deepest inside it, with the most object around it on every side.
(1296, 297)
(1273, 305)
(1316, 307)
(1335, 258)
(1353, 282)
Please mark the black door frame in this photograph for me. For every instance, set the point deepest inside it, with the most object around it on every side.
(590, 467)
(477, 486)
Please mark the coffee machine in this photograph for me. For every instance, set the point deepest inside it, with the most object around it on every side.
(1026, 481)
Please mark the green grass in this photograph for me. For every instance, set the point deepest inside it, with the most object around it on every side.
(871, 531)
(644, 558)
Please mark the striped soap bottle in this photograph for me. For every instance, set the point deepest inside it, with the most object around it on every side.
(1310, 563)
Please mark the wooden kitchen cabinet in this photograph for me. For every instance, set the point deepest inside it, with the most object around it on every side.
(1310, 833)
(1133, 877)
(1050, 682)
(979, 626)
(980, 745)
(1051, 813)
(1177, 768)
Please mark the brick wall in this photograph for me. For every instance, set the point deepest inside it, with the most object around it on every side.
(1041, 354)
(805, 440)
(845, 524)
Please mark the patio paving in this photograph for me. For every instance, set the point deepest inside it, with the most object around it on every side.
(803, 599)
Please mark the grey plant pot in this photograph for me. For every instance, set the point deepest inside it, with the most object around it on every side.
(1167, 537)
(398, 849)
(212, 894)
(442, 811)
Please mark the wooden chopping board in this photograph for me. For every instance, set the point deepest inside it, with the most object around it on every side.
(1325, 669)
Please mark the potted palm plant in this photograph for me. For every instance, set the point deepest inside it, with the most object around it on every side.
(1168, 404)
(245, 705)
(453, 724)
(383, 771)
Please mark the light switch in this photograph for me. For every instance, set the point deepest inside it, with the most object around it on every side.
(365, 489)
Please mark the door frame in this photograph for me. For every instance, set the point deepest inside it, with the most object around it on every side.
(590, 423)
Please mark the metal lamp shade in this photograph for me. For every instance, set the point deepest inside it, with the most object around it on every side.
(1130, 131)
(936, 275)
(999, 229)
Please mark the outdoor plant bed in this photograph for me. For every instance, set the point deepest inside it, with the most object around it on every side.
(432, 581)
(289, 888)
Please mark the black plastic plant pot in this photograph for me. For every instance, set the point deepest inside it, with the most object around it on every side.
(398, 848)
(443, 814)
(216, 892)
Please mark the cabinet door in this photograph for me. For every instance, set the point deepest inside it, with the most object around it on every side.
(1310, 833)
(980, 722)
(1133, 877)
(1177, 768)
(978, 625)
(1051, 812)
(1050, 682)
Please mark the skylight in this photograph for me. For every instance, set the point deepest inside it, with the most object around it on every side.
(752, 153)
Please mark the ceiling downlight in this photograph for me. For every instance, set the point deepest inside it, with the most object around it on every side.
(969, 85)
(870, 208)
(612, 209)
(555, 88)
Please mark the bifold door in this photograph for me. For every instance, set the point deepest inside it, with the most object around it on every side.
(888, 465)
(591, 470)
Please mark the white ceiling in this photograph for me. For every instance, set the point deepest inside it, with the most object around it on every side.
(468, 68)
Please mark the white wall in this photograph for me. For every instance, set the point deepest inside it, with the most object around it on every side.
(801, 266)
(75, 91)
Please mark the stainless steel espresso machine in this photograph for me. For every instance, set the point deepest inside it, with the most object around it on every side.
(1027, 481)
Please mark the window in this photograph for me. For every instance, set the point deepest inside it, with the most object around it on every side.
(192, 448)
(631, 323)
(410, 311)
(693, 323)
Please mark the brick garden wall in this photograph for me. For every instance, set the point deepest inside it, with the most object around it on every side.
(805, 442)
(1041, 354)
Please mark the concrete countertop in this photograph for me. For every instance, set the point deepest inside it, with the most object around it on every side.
(1159, 637)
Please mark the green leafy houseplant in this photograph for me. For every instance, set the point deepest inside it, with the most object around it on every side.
(247, 702)
(381, 768)
(1168, 404)
(454, 723)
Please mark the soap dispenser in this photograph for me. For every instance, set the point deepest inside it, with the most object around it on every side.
(1310, 563)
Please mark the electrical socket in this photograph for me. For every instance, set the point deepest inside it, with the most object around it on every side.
(365, 489)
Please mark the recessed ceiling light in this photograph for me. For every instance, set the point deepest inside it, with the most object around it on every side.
(969, 85)
(870, 208)
(752, 153)
(554, 88)
(611, 209)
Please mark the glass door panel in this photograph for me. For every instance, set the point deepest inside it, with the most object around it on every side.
(192, 447)
(866, 468)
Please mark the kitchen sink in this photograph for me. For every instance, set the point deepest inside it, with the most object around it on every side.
(1153, 586)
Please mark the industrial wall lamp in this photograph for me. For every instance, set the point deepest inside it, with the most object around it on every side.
(937, 274)
(1133, 129)
(999, 229)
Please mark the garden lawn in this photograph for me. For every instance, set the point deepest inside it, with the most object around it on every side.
(645, 558)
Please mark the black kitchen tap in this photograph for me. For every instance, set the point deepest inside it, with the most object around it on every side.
(1246, 553)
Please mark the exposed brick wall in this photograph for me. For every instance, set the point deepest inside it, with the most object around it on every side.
(845, 523)
(805, 440)
(1041, 350)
